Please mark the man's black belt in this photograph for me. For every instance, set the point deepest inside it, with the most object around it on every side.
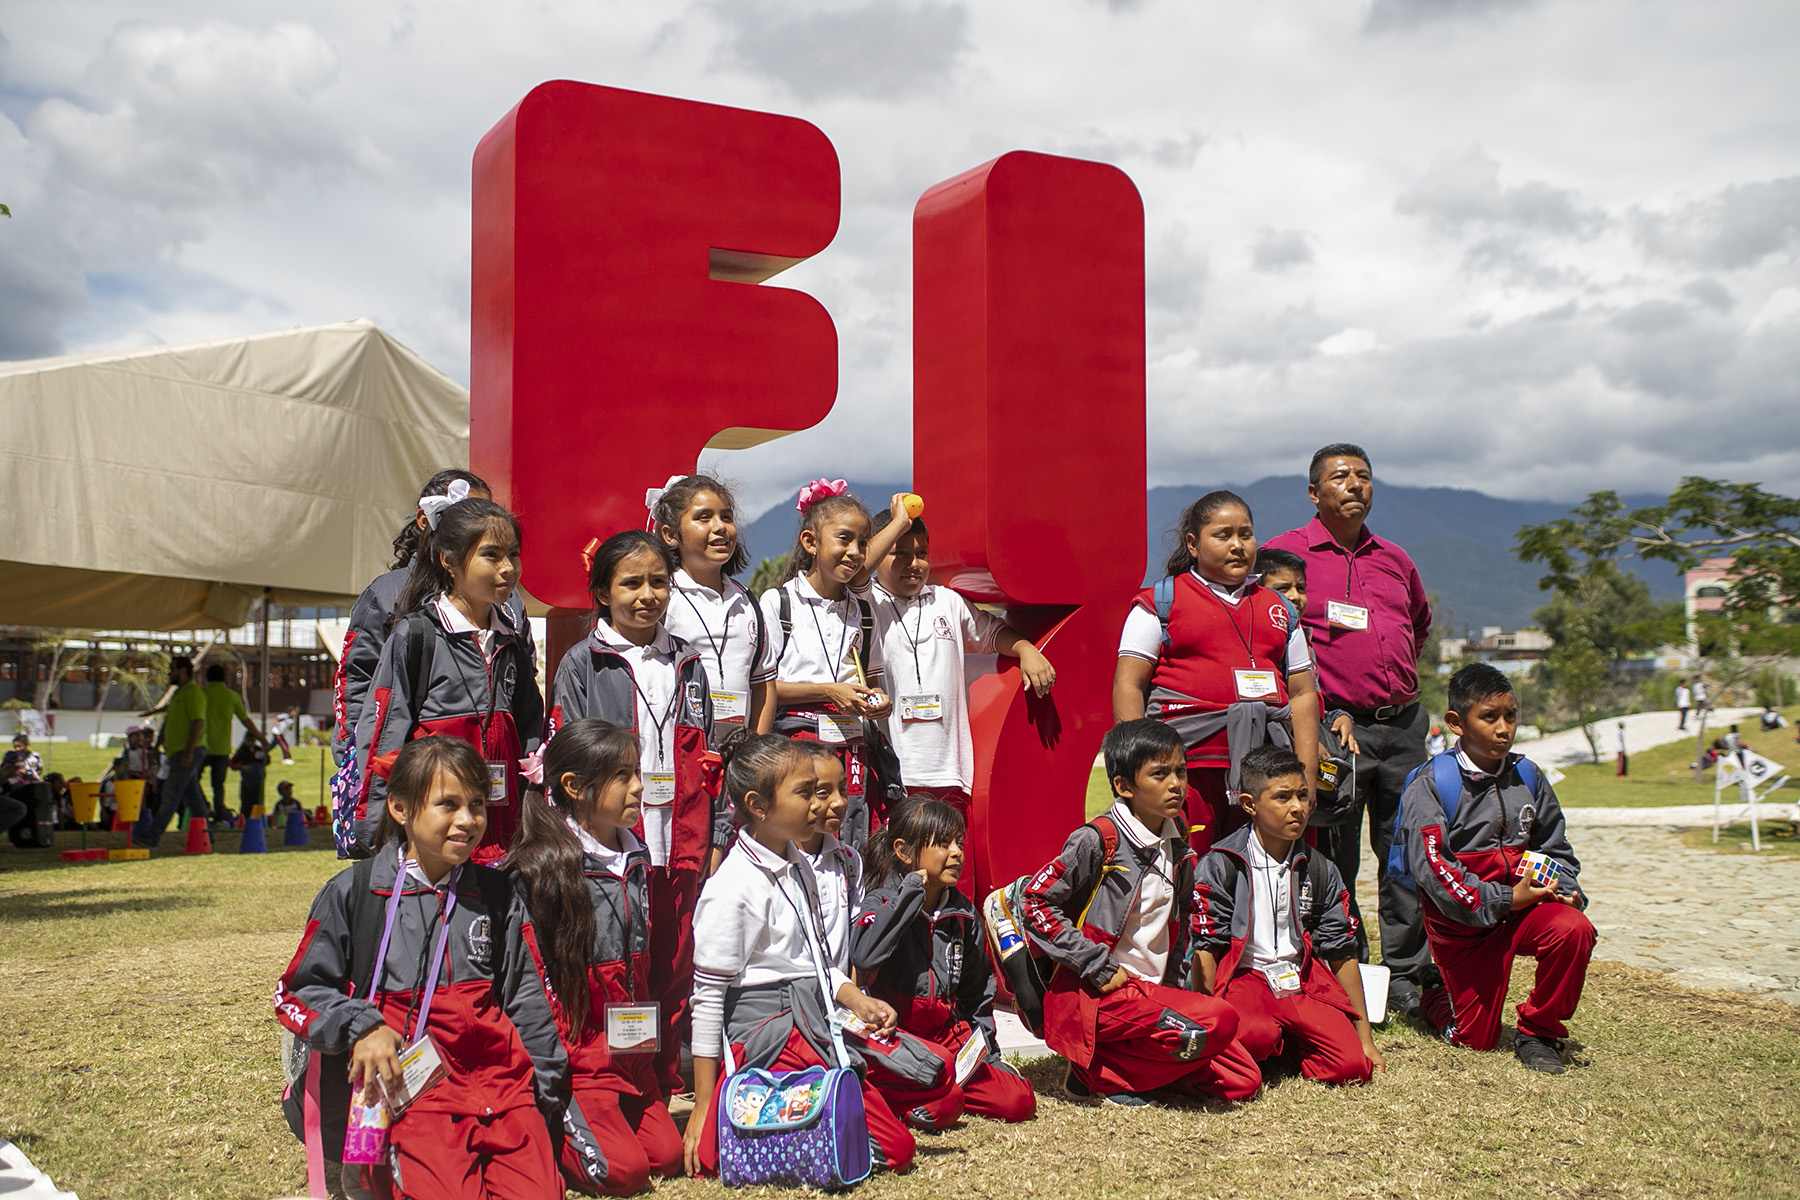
(1387, 712)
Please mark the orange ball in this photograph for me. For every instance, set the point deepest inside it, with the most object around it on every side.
(913, 504)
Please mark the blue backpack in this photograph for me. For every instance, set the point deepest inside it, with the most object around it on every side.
(1446, 777)
(1163, 594)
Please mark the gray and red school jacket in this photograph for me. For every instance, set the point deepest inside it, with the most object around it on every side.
(593, 681)
(1466, 865)
(1075, 910)
(618, 973)
(1224, 908)
(1205, 641)
(494, 705)
(490, 1019)
(932, 967)
(370, 617)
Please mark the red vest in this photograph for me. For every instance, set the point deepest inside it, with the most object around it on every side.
(1210, 639)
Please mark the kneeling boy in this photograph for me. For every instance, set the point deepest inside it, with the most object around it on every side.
(1271, 915)
(1467, 820)
(1113, 912)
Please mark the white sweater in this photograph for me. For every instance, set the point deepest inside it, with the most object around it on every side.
(747, 931)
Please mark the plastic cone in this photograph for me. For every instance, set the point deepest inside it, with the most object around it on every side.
(296, 830)
(198, 840)
(254, 843)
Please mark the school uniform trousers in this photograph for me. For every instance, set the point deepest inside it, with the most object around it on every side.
(1296, 1024)
(1477, 967)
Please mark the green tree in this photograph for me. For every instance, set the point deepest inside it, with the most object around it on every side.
(766, 575)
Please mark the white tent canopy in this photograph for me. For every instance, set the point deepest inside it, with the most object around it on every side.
(166, 488)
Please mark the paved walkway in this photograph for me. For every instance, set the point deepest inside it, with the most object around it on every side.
(1642, 731)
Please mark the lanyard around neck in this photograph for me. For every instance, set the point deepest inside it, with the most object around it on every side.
(917, 633)
(718, 644)
(658, 725)
(437, 953)
(837, 664)
(1231, 615)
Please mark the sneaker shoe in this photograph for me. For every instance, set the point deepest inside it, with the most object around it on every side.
(1403, 999)
(1125, 1100)
(1076, 1090)
(1539, 1053)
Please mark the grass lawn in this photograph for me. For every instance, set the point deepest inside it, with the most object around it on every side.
(138, 1062)
(80, 760)
(1661, 775)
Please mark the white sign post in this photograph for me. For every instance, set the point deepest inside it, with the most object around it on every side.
(1756, 777)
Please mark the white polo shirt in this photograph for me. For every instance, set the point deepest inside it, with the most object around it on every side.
(826, 635)
(653, 673)
(1271, 937)
(1143, 946)
(723, 628)
(923, 640)
(455, 622)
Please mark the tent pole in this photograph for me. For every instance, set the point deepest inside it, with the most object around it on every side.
(265, 662)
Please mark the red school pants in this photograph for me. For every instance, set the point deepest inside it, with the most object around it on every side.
(989, 1091)
(893, 1140)
(1325, 1038)
(635, 1133)
(672, 897)
(1477, 966)
(1133, 1052)
(440, 1156)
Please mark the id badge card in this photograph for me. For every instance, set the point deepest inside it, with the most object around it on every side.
(1283, 977)
(496, 782)
(927, 706)
(659, 788)
(839, 729)
(730, 708)
(421, 1067)
(633, 1028)
(1340, 615)
(971, 1054)
(1254, 685)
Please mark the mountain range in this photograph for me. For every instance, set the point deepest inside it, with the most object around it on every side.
(1461, 539)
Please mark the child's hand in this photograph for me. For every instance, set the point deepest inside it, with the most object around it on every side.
(900, 518)
(848, 697)
(1369, 1051)
(1039, 675)
(1116, 982)
(1527, 893)
(1344, 729)
(376, 1055)
(878, 1015)
(876, 703)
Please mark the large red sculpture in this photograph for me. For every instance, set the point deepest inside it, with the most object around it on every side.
(1028, 446)
(613, 335)
(613, 339)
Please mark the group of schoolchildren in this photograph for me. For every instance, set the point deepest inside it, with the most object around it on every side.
(739, 827)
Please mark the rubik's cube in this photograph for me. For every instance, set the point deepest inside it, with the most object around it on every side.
(1541, 867)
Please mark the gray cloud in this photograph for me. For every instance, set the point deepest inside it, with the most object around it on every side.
(1174, 151)
(1711, 293)
(1462, 189)
(879, 49)
(1508, 260)
(1387, 16)
(1278, 250)
(1175, 275)
(1738, 227)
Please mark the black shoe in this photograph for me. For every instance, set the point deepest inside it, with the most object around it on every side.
(1403, 999)
(1539, 1053)
(1076, 1090)
(1125, 1100)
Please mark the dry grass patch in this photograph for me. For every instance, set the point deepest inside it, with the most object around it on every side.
(138, 1061)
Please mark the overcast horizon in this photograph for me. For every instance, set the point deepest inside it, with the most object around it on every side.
(1521, 248)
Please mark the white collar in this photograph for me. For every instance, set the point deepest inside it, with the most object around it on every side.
(455, 622)
(806, 591)
(1233, 594)
(1260, 856)
(612, 860)
(1137, 831)
(923, 597)
(688, 583)
(608, 638)
(766, 858)
(1474, 772)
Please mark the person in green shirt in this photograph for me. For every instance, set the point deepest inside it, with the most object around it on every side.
(222, 704)
(184, 741)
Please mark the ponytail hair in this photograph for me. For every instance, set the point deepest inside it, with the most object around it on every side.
(920, 821)
(545, 856)
(673, 503)
(756, 762)
(459, 531)
(407, 541)
(1194, 519)
(813, 517)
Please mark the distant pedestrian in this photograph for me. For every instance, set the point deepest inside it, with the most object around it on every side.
(184, 741)
(223, 703)
(1622, 761)
(1700, 698)
(1684, 700)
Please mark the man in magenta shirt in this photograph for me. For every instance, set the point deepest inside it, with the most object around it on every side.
(1367, 616)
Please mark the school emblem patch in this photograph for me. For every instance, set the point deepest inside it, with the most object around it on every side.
(1278, 616)
(481, 945)
(942, 625)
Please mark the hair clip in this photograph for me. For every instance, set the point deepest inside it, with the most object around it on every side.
(433, 506)
(818, 490)
(587, 554)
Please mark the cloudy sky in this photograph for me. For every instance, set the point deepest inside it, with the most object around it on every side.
(1535, 248)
